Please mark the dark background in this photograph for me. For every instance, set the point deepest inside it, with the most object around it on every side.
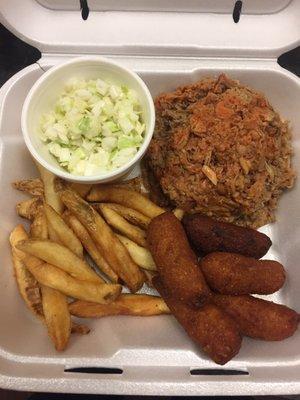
(16, 55)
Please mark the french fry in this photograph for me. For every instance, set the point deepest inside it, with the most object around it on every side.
(81, 329)
(53, 235)
(55, 278)
(127, 304)
(126, 198)
(149, 276)
(131, 215)
(140, 255)
(50, 194)
(58, 324)
(64, 233)
(89, 245)
(28, 286)
(57, 317)
(39, 228)
(34, 187)
(135, 184)
(81, 188)
(61, 257)
(110, 246)
(50, 307)
(120, 224)
(28, 208)
(179, 213)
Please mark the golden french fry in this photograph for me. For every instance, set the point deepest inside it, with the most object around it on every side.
(131, 215)
(55, 306)
(142, 305)
(50, 194)
(61, 257)
(136, 184)
(126, 198)
(120, 224)
(110, 246)
(34, 187)
(64, 233)
(39, 228)
(28, 286)
(81, 188)
(51, 307)
(55, 278)
(53, 235)
(140, 255)
(149, 276)
(179, 213)
(58, 323)
(28, 208)
(81, 329)
(89, 245)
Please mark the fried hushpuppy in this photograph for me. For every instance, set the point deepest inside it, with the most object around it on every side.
(208, 235)
(229, 273)
(258, 318)
(176, 263)
(208, 326)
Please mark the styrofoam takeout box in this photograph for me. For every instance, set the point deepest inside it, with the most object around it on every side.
(167, 49)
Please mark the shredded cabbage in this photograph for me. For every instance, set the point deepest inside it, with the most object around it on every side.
(95, 127)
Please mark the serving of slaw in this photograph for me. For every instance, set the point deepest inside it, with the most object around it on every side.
(95, 127)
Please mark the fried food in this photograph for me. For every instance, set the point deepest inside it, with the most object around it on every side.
(219, 148)
(208, 235)
(176, 262)
(52, 198)
(48, 305)
(178, 213)
(229, 273)
(28, 286)
(33, 187)
(61, 257)
(65, 234)
(131, 215)
(135, 184)
(55, 278)
(39, 227)
(149, 276)
(56, 314)
(58, 323)
(121, 225)
(89, 245)
(208, 326)
(126, 198)
(139, 254)
(142, 305)
(110, 246)
(28, 208)
(81, 329)
(259, 319)
(82, 189)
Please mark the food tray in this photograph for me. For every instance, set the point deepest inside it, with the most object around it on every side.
(134, 355)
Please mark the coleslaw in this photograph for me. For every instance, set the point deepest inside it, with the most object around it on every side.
(95, 127)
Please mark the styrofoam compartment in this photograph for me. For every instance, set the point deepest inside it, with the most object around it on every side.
(152, 355)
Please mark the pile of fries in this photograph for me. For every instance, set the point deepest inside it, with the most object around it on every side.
(84, 244)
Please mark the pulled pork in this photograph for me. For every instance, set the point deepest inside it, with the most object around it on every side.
(219, 148)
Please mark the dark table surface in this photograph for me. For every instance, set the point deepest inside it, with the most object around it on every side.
(16, 55)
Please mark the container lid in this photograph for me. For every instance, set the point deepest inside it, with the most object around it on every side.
(190, 28)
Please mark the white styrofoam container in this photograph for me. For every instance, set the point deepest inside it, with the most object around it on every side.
(155, 355)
